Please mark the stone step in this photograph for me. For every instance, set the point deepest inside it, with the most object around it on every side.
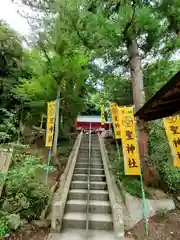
(84, 150)
(84, 185)
(98, 185)
(96, 165)
(97, 151)
(94, 206)
(83, 155)
(86, 161)
(96, 178)
(93, 194)
(96, 171)
(80, 177)
(94, 162)
(97, 221)
(79, 185)
(96, 155)
(86, 146)
(93, 144)
(82, 165)
(80, 234)
(86, 155)
(93, 171)
(84, 177)
(93, 151)
(92, 159)
(86, 165)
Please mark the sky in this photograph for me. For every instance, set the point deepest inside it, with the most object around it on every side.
(8, 12)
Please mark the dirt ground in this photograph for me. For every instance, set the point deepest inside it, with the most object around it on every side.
(165, 227)
(161, 227)
(29, 232)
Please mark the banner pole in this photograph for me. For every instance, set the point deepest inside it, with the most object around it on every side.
(145, 212)
(50, 151)
(144, 202)
(49, 159)
(145, 209)
(118, 149)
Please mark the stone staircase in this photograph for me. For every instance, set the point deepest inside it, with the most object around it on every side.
(88, 216)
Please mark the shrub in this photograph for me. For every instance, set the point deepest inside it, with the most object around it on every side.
(161, 157)
(8, 129)
(171, 177)
(25, 193)
(4, 225)
(130, 183)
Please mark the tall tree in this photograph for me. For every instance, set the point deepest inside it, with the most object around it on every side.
(11, 53)
(122, 33)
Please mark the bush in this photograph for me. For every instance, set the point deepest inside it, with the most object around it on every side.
(168, 177)
(161, 157)
(171, 177)
(25, 193)
(4, 225)
(8, 130)
(130, 183)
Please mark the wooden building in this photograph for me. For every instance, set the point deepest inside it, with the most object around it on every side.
(166, 102)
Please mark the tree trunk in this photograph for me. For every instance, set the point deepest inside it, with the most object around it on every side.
(136, 75)
(138, 96)
(56, 130)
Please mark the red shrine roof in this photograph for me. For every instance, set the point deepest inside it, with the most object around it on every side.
(85, 121)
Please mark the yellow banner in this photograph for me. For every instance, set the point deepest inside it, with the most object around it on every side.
(116, 119)
(129, 141)
(102, 115)
(172, 127)
(50, 123)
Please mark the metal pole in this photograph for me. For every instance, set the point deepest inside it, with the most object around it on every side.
(88, 189)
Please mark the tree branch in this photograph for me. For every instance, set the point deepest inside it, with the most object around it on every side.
(45, 52)
(132, 19)
(85, 43)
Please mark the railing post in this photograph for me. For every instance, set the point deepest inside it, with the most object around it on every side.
(89, 159)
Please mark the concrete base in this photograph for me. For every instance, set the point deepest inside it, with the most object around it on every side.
(81, 235)
(133, 212)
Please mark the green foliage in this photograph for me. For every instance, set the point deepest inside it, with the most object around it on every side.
(159, 149)
(171, 11)
(9, 127)
(130, 183)
(161, 157)
(170, 176)
(115, 89)
(4, 225)
(72, 35)
(11, 52)
(158, 73)
(25, 193)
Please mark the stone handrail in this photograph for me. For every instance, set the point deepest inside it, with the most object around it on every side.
(62, 192)
(5, 162)
(114, 195)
